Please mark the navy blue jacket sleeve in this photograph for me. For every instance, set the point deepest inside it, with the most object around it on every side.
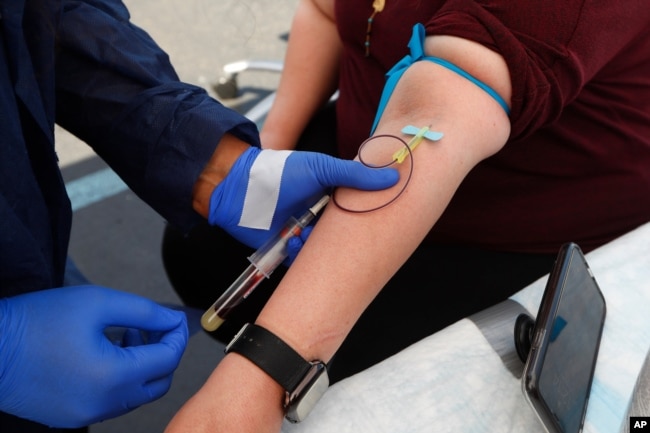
(117, 91)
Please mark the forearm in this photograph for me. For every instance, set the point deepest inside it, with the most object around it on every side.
(349, 257)
(309, 77)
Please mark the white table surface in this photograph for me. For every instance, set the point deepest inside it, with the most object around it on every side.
(454, 380)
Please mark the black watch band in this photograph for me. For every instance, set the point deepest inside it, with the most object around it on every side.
(304, 382)
(275, 357)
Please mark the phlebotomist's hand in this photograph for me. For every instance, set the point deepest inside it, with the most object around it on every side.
(58, 368)
(266, 187)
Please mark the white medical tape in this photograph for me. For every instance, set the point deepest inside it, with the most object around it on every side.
(263, 189)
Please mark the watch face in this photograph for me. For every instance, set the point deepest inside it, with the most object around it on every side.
(303, 399)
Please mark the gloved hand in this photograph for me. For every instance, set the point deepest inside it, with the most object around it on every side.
(58, 368)
(266, 187)
(295, 243)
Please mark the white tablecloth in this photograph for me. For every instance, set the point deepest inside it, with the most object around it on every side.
(456, 380)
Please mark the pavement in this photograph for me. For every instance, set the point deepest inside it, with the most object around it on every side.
(115, 236)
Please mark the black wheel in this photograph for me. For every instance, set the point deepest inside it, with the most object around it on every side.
(226, 87)
(523, 335)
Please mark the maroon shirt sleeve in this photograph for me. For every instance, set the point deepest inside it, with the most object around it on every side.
(552, 48)
(576, 164)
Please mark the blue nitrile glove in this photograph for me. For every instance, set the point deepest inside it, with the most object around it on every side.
(295, 243)
(264, 188)
(58, 368)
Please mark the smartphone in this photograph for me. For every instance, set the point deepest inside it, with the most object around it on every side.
(564, 344)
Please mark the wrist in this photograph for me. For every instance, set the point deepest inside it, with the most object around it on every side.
(303, 381)
(229, 149)
(237, 396)
(254, 385)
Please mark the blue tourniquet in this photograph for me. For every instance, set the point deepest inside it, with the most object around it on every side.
(416, 45)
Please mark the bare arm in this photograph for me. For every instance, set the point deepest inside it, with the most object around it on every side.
(325, 291)
(309, 77)
(349, 257)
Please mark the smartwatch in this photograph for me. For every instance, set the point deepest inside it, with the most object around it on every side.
(304, 382)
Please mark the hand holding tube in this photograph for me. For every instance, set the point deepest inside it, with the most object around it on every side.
(263, 262)
(265, 187)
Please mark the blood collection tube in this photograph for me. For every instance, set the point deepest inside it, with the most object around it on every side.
(263, 262)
